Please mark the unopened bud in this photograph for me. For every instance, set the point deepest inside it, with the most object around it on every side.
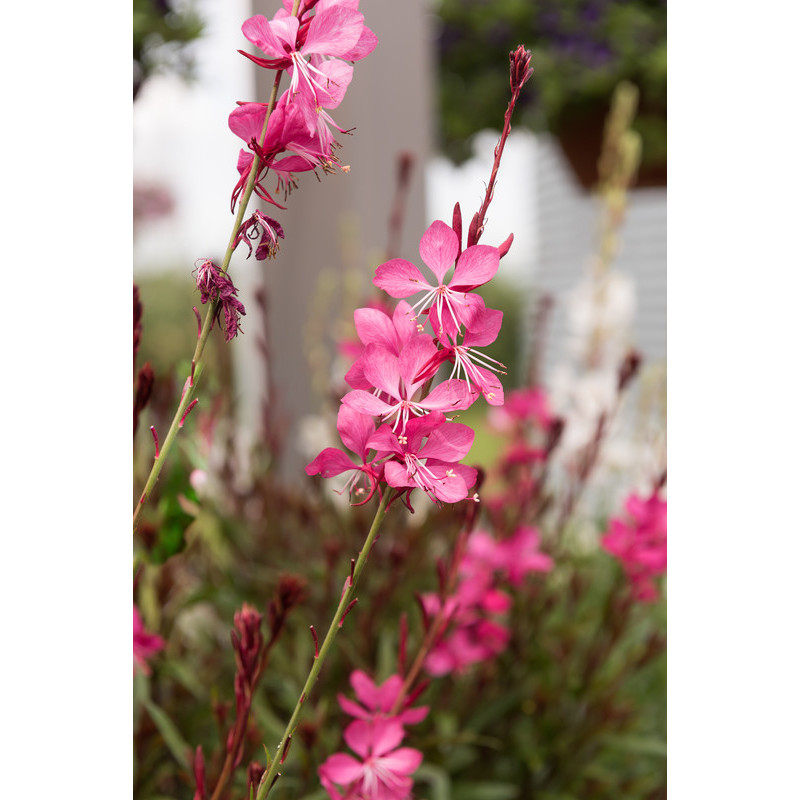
(521, 70)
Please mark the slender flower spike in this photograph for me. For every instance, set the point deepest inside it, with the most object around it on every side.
(453, 303)
(217, 285)
(384, 769)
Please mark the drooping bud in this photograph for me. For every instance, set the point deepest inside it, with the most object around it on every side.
(217, 285)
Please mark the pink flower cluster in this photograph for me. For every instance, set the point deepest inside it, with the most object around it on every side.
(475, 610)
(313, 48)
(639, 541)
(392, 420)
(145, 645)
(382, 770)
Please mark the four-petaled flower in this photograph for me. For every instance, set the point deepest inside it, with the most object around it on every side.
(431, 465)
(384, 769)
(454, 305)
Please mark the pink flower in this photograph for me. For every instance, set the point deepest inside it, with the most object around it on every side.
(474, 635)
(395, 378)
(640, 543)
(356, 430)
(384, 769)
(145, 644)
(476, 368)
(432, 466)
(377, 702)
(336, 30)
(522, 406)
(375, 326)
(453, 304)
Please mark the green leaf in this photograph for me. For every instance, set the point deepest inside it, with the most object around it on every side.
(437, 779)
(485, 791)
(641, 745)
(172, 736)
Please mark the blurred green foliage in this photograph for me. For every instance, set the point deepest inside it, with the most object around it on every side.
(581, 50)
(161, 30)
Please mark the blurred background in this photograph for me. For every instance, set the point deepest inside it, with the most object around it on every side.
(575, 706)
(435, 91)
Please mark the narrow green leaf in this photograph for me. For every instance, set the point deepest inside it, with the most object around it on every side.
(172, 736)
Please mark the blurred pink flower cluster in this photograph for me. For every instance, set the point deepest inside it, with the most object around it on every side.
(639, 541)
(145, 645)
(392, 420)
(383, 768)
(475, 610)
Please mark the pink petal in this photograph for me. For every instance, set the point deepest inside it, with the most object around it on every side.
(477, 265)
(417, 352)
(342, 768)
(405, 322)
(366, 403)
(352, 708)
(365, 45)
(438, 248)
(397, 475)
(373, 326)
(483, 328)
(382, 369)
(386, 735)
(247, 120)
(449, 395)
(450, 442)
(365, 688)
(400, 278)
(355, 429)
(258, 30)
(402, 761)
(333, 31)
(339, 76)
(330, 462)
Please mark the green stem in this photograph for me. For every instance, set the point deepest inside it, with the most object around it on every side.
(197, 358)
(271, 774)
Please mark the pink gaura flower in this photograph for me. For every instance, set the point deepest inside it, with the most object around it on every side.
(377, 702)
(145, 645)
(513, 558)
(474, 633)
(430, 465)
(356, 430)
(384, 769)
(375, 325)
(286, 132)
(336, 30)
(454, 305)
(477, 369)
(395, 379)
(530, 405)
(639, 541)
